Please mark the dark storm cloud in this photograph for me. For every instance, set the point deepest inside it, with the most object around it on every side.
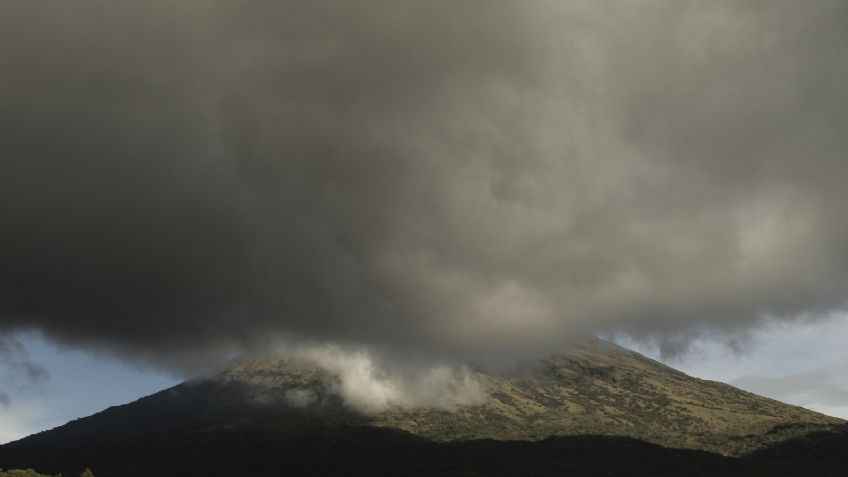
(183, 179)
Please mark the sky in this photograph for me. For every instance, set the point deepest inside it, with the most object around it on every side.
(802, 363)
(74, 384)
(441, 181)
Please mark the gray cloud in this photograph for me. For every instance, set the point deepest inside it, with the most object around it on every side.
(16, 360)
(17, 369)
(480, 178)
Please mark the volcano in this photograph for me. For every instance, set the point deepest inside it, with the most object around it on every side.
(595, 408)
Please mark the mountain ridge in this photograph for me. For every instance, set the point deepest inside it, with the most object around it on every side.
(596, 390)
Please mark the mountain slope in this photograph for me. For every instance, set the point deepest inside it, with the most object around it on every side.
(595, 388)
(601, 388)
(277, 411)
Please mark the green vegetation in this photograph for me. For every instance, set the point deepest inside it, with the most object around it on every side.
(21, 473)
(33, 473)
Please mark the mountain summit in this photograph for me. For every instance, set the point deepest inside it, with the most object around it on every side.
(293, 411)
(595, 388)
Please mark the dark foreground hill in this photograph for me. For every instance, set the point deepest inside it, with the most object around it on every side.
(597, 410)
(254, 449)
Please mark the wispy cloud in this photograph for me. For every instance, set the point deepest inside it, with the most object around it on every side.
(17, 369)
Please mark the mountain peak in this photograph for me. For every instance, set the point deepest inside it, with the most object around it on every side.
(613, 396)
(595, 387)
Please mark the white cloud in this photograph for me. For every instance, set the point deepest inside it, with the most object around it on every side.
(372, 385)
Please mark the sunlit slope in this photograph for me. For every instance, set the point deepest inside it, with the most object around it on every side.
(596, 388)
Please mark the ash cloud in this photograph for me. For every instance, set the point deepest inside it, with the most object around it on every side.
(477, 179)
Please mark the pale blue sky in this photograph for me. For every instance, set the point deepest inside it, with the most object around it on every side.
(803, 363)
(79, 384)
